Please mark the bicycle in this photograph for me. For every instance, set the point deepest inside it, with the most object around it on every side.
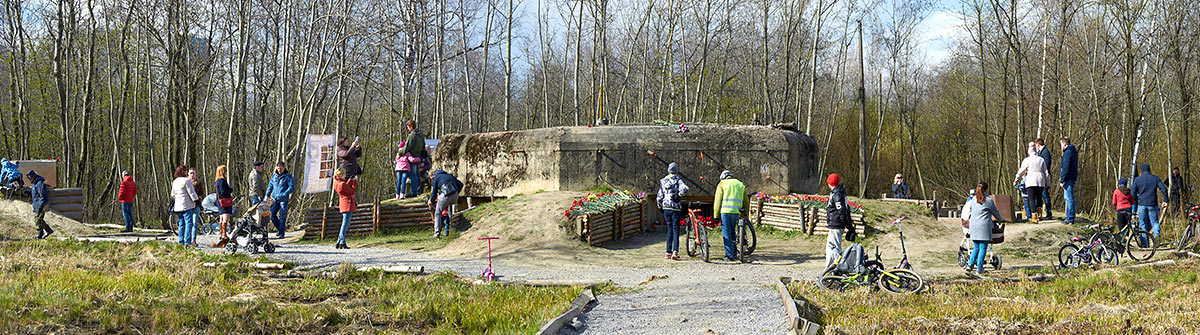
(746, 239)
(696, 229)
(1072, 255)
(1139, 244)
(897, 280)
(1189, 236)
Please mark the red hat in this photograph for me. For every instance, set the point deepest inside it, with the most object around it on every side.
(833, 179)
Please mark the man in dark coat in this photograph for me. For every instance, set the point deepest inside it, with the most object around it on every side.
(41, 202)
(1145, 196)
(1068, 173)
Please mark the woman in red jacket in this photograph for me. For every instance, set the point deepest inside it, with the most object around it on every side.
(125, 196)
(345, 190)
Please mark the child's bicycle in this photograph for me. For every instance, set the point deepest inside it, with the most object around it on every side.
(1139, 244)
(1073, 255)
(1189, 236)
(696, 229)
(852, 270)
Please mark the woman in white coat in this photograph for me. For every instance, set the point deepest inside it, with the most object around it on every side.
(1033, 169)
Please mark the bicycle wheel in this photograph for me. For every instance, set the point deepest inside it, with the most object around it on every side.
(832, 283)
(1108, 256)
(690, 238)
(741, 241)
(1068, 256)
(1141, 245)
(1185, 237)
(702, 244)
(901, 281)
(753, 242)
(1109, 240)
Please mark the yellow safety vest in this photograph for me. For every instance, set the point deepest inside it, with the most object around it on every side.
(732, 194)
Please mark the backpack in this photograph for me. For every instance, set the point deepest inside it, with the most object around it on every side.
(853, 260)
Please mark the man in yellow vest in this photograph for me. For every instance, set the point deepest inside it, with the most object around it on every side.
(730, 201)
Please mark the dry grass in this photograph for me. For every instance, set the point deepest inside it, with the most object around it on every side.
(1133, 301)
(79, 287)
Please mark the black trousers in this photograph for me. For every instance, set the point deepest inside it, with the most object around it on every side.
(1035, 197)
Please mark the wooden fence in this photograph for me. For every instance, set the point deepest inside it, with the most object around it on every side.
(794, 217)
(367, 219)
(67, 202)
(614, 225)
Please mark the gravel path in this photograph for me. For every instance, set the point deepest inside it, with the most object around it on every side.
(693, 297)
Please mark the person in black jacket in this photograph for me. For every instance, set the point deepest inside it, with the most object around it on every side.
(41, 202)
(444, 192)
(837, 213)
(1044, 153)
(1068, 173)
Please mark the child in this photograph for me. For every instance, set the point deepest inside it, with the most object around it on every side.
(1122, 200)
(838, 219)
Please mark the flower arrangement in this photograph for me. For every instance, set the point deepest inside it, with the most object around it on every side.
(596, 203)
(805, 200)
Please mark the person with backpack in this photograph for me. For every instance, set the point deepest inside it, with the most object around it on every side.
(41, 202)
(444, 192)
(1122, 201)
(837, 214)
(345, 187)
(982, 221)
(729, 202)
(670, 189)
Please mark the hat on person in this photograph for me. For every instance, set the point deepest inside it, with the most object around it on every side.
(833, 179)
(673, 168)
(125, 173)
(258, 163)
(1122, 182)
(726, 174)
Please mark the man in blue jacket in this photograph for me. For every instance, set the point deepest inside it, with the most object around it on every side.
(1068, 173)
(444, 192)
(1144, 188)
(280, 190)
(1044, 153)
(41, 200)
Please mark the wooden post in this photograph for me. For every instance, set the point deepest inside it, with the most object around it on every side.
(620, 224)
(324, 220)
(375, 228)
(758, 218)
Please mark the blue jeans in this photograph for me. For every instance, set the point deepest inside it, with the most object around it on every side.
(279, 215)
(187, 226)
(345, 225)
(728, 224)
(1069, 196)
(400, 176)
(1046, 200)
(1148, 220)
(978, 255)
(414, 182)
(127, 213)
(672, 216)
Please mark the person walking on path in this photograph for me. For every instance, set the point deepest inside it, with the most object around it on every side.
(1122, 201)
(837, 214)
(414, 146)
(1068, 173)
(670, 189)
(258, 187)
(404, 163)
(348, 154)
(1033, 170)
(225, 201)
(1145, 188)
(1044, 153)
(443, 193)
(41, 202)
(125, 195)
(183, 192)
(899, 187)
(729, 202)
(1176, 187)
(279, 190)
(345, 188)
(983, 219)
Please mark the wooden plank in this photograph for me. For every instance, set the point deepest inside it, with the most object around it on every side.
(577, 306)
(789, 305)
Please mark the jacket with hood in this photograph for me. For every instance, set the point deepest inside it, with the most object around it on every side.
(1145, 188)
(40, 198)
(443, 182)
(1122, 200)
(128, 190)
(670, 188)
(415, 144)
(281, 186)
(9, 172)
(1068, 170)
(838, 210)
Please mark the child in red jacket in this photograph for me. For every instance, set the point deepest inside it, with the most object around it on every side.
(1122, 200)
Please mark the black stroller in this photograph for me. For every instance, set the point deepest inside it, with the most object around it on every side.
(250, 231)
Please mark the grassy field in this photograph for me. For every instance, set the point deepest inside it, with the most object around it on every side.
(79, 287)
(1128, 301)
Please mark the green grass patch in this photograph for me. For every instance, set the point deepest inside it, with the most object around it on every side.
(599, 189)
(1150, 300)
(93, 287)
(407, 238)
(771, 231)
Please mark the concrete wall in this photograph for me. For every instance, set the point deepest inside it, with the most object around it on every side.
(573, 158)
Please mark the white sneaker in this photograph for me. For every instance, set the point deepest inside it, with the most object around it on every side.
(436, 236)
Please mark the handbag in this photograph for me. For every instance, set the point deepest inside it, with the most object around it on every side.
(997, 233)
(225, 202)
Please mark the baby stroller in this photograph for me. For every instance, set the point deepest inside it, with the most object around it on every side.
(250, 231)
(966, 246)
(211, 214)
